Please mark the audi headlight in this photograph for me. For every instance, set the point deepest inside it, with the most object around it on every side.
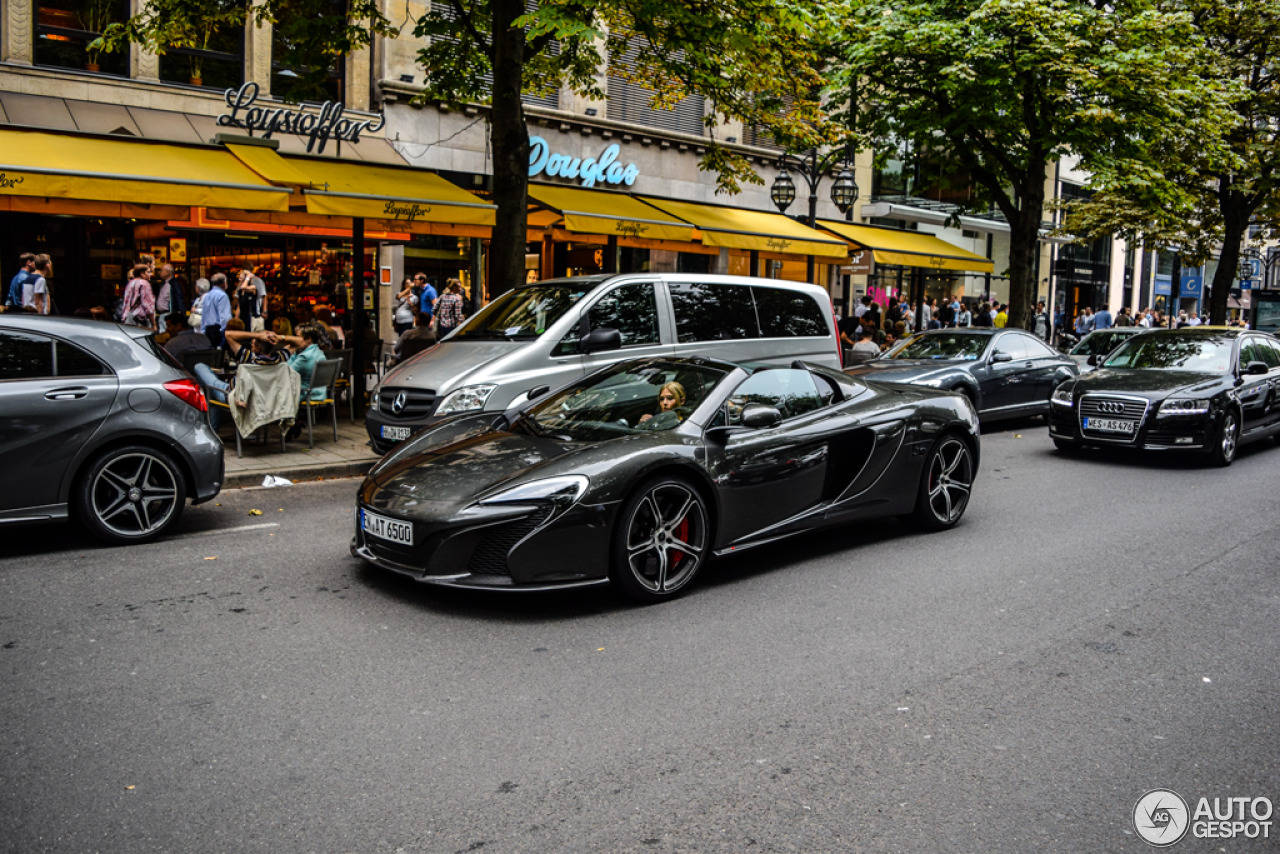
(558, 490)
(1184, 406)
(469, 398)
(1062, 396)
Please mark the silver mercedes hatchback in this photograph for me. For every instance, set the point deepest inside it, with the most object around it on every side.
(99, 424)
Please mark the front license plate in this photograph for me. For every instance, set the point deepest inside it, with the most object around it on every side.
(396, 433)
(392, 530)
(1109, 425)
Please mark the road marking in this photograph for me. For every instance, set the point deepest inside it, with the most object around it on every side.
(230, 530)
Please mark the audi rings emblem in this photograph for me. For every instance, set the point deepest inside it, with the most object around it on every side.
(1111, 407)
(397, 405)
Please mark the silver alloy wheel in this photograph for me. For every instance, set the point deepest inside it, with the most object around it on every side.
(666, 537)
(1230, 437)
(950, 479)
(135, 494)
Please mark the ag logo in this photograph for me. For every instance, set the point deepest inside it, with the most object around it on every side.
(1161, 817)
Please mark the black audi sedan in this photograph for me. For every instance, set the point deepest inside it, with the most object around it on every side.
(1207, 390)
(639, 473)
(1005, 373)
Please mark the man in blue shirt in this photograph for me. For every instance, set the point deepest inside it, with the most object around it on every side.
(13, 300)
(1102, 319)
(215, 310)
(427, 295)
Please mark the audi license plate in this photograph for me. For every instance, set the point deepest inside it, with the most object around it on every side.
(386, 529)
(396, 433)
(1109, 425)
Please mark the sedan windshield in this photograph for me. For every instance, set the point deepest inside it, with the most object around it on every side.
(1099, 343)
(951, 346)
(525, 312)
(1198, 353)
(632, 398)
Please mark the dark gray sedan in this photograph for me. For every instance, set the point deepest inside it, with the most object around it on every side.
(99, 424)
(1005, 373)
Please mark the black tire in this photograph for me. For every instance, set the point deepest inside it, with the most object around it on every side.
(1227, 441)
(1067, 446)
(130, 494)
(945, 484)
(663, 526)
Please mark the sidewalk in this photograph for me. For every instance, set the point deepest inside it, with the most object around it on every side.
(350, 456)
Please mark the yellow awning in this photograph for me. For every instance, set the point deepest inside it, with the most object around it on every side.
(601, 212)
(129, 171)
(738, 228)
(372, 191)
(909, 248)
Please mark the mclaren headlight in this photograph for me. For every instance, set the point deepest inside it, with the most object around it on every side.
(1184, 406)
(561, 491)
(1062, 396)
(469, 398)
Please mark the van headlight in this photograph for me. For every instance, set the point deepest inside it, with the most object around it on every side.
(1062, 396)
(561, 491)
(1184, 406)
(469, 398)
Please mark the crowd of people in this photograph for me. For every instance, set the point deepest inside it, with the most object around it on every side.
(868, 332)
(422, 316)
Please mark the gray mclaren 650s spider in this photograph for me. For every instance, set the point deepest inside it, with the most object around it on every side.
(639, 473)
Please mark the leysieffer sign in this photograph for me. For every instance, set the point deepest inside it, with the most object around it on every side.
(321, 126)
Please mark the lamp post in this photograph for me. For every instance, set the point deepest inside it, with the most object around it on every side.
(813, 167)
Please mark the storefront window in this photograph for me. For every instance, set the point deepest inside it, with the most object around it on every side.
(295, 74)
(65, 29)
(217, 61)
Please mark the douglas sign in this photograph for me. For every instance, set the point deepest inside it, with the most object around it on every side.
(320, 127)
(606, 170)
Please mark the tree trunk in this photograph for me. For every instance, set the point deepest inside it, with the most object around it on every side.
(510, 140)
(1024, 243)
(1235, 224)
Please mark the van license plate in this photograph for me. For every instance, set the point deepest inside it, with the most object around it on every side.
(383, 528)
(396, 433)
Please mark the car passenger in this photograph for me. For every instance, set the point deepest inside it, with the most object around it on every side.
(670, 396)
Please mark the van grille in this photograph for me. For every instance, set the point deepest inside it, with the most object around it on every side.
(415, 405)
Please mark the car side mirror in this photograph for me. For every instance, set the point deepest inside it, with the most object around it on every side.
(757, 416)
(1255, 369)
(1001, 356)
(598, 340)
(1094, 359)
(538, 391)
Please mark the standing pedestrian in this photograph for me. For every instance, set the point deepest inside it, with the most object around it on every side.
(169, 297)
(139, 305)
(1041, 327)
(13, 300)
(406, 308)
(215, 309)
(427, 296)
(1102, 318)
(35, 293)
(449, 309)
(964, 317)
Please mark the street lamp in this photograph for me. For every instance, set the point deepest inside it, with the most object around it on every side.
(813, 167)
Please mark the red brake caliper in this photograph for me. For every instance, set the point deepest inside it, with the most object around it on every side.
(682, 534)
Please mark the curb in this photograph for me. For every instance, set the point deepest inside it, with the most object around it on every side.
(320, 471)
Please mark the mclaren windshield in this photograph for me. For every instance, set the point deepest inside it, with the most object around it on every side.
(632, 398)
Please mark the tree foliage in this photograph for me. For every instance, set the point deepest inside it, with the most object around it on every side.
(1004, 87)
(1201, 172)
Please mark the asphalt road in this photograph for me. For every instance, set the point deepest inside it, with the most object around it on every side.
(1096, 628)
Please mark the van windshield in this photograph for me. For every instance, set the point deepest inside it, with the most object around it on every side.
(524, 313)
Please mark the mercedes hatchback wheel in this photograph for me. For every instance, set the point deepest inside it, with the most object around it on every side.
(131, 494)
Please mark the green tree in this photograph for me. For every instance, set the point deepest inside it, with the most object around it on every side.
(1002, 88)
(754, 60)
(1195, 183)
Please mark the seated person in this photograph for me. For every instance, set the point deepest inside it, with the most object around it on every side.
(415, 339)
(185, 338)
(306, 355)
(866, 347)
(261, 351)
(670, 397)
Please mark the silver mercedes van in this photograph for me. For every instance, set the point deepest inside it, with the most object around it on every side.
(552, 332)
